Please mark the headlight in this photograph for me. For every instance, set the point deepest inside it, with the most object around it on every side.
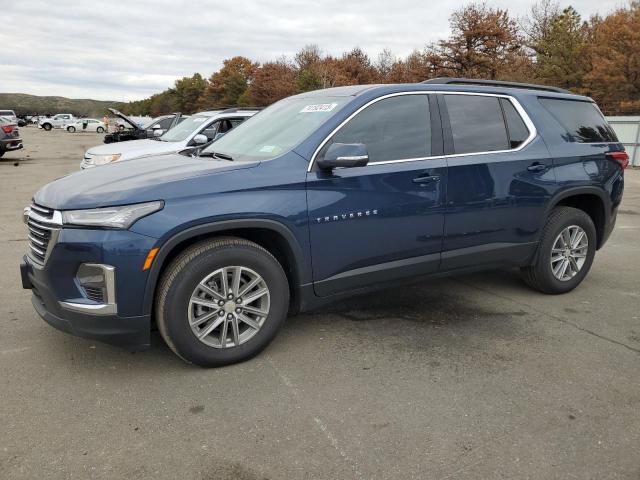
(112, 217)
(104, 159)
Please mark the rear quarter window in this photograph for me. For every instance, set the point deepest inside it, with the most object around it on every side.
(582, 121)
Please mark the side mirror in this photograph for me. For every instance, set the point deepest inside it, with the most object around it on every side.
(344, 155)
(157, 132)
(200, 139)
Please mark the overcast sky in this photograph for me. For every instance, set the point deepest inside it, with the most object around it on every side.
(118, 50)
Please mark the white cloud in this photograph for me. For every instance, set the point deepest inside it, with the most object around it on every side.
(130, 50)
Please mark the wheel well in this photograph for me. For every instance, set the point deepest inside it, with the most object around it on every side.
(593, 206)
(270, 240)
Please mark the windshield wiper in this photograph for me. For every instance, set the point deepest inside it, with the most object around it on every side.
(221, 156)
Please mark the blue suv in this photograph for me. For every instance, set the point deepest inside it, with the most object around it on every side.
(319, 196)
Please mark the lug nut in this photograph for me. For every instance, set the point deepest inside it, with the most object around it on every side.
(238, 300)
(221, 303)
(238, 310)
(230, 296)
(229, 317)
(221, 313)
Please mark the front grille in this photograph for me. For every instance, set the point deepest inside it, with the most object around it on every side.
(42, 227)
(94, 293)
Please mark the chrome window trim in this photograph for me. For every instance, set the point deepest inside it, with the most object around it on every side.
(521, 111)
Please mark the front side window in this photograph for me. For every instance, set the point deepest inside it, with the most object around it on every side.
(582, 120)
(477, 123)
(181, 131)
(165, 123)
(395, 128)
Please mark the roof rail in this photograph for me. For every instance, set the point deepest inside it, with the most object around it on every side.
(493, 83)
(239, 109)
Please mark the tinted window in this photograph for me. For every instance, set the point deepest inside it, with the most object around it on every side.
(165, 123)
(392, 129)
(477, 123)
(582, 120)
(518, 131)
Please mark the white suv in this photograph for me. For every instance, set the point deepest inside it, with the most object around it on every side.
(192, 133)
(57, 121)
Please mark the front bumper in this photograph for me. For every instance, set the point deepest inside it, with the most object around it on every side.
(131, 333)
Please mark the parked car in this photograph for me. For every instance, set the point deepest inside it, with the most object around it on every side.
(193, 132)
(9, 136)
(22, 122)
(57, 121)
(86, 125)
(320, 196)
(10, 115)
(156, 127)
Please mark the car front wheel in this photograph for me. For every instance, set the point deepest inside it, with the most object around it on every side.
(100, 130)
(221, 301)
(47, 126)
(565, 252)
(71, 129)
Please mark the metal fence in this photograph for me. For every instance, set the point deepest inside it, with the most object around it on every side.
(628, 131)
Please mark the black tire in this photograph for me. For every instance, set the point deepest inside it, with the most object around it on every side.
(540, 275)
(71, 129)
(1, 153)
(100, 130)
(47, 126)
(183, 275)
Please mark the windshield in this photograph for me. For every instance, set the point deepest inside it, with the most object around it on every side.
(181, 131)
(276, 129)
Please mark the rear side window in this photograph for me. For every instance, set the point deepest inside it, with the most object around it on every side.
(477, 123)
(395, 128)
(582, 120)
(516, 128)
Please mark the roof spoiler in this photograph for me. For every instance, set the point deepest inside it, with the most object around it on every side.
(493, 83)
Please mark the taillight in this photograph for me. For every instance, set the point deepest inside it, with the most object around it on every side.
(621, 157)
(7, 129)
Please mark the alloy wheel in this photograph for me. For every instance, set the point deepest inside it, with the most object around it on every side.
(569, 252)
(228, 307)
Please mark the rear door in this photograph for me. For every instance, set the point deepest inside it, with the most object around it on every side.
(383, 221)
(499, 181)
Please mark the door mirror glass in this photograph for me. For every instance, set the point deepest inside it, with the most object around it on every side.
(344, 155)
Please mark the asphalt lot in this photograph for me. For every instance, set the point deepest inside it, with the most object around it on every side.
(471, 377)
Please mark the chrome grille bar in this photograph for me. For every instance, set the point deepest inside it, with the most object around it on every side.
(43, 224)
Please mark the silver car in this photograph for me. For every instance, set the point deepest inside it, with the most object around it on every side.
(194, 132)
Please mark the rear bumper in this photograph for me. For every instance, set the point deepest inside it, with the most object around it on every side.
(132, 333)
(10, 144)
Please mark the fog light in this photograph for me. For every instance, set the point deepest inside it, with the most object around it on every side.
(97, 282)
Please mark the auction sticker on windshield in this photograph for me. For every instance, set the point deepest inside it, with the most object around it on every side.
(320, 107)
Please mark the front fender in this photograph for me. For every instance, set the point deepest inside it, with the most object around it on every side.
(301, 265)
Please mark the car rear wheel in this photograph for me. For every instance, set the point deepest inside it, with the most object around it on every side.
(100, 130)
(221, 301)
(565, 253)
(47, 126)
(71, 129)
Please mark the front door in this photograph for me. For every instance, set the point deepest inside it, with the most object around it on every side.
(383, 221)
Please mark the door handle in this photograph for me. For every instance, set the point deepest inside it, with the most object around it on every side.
(537, 167)
(427, 179)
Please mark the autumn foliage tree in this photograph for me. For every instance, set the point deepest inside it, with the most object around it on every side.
(599, 57)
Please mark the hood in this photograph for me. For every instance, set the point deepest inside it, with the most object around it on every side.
(147, 179)
(125, 118)
(136, 148)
